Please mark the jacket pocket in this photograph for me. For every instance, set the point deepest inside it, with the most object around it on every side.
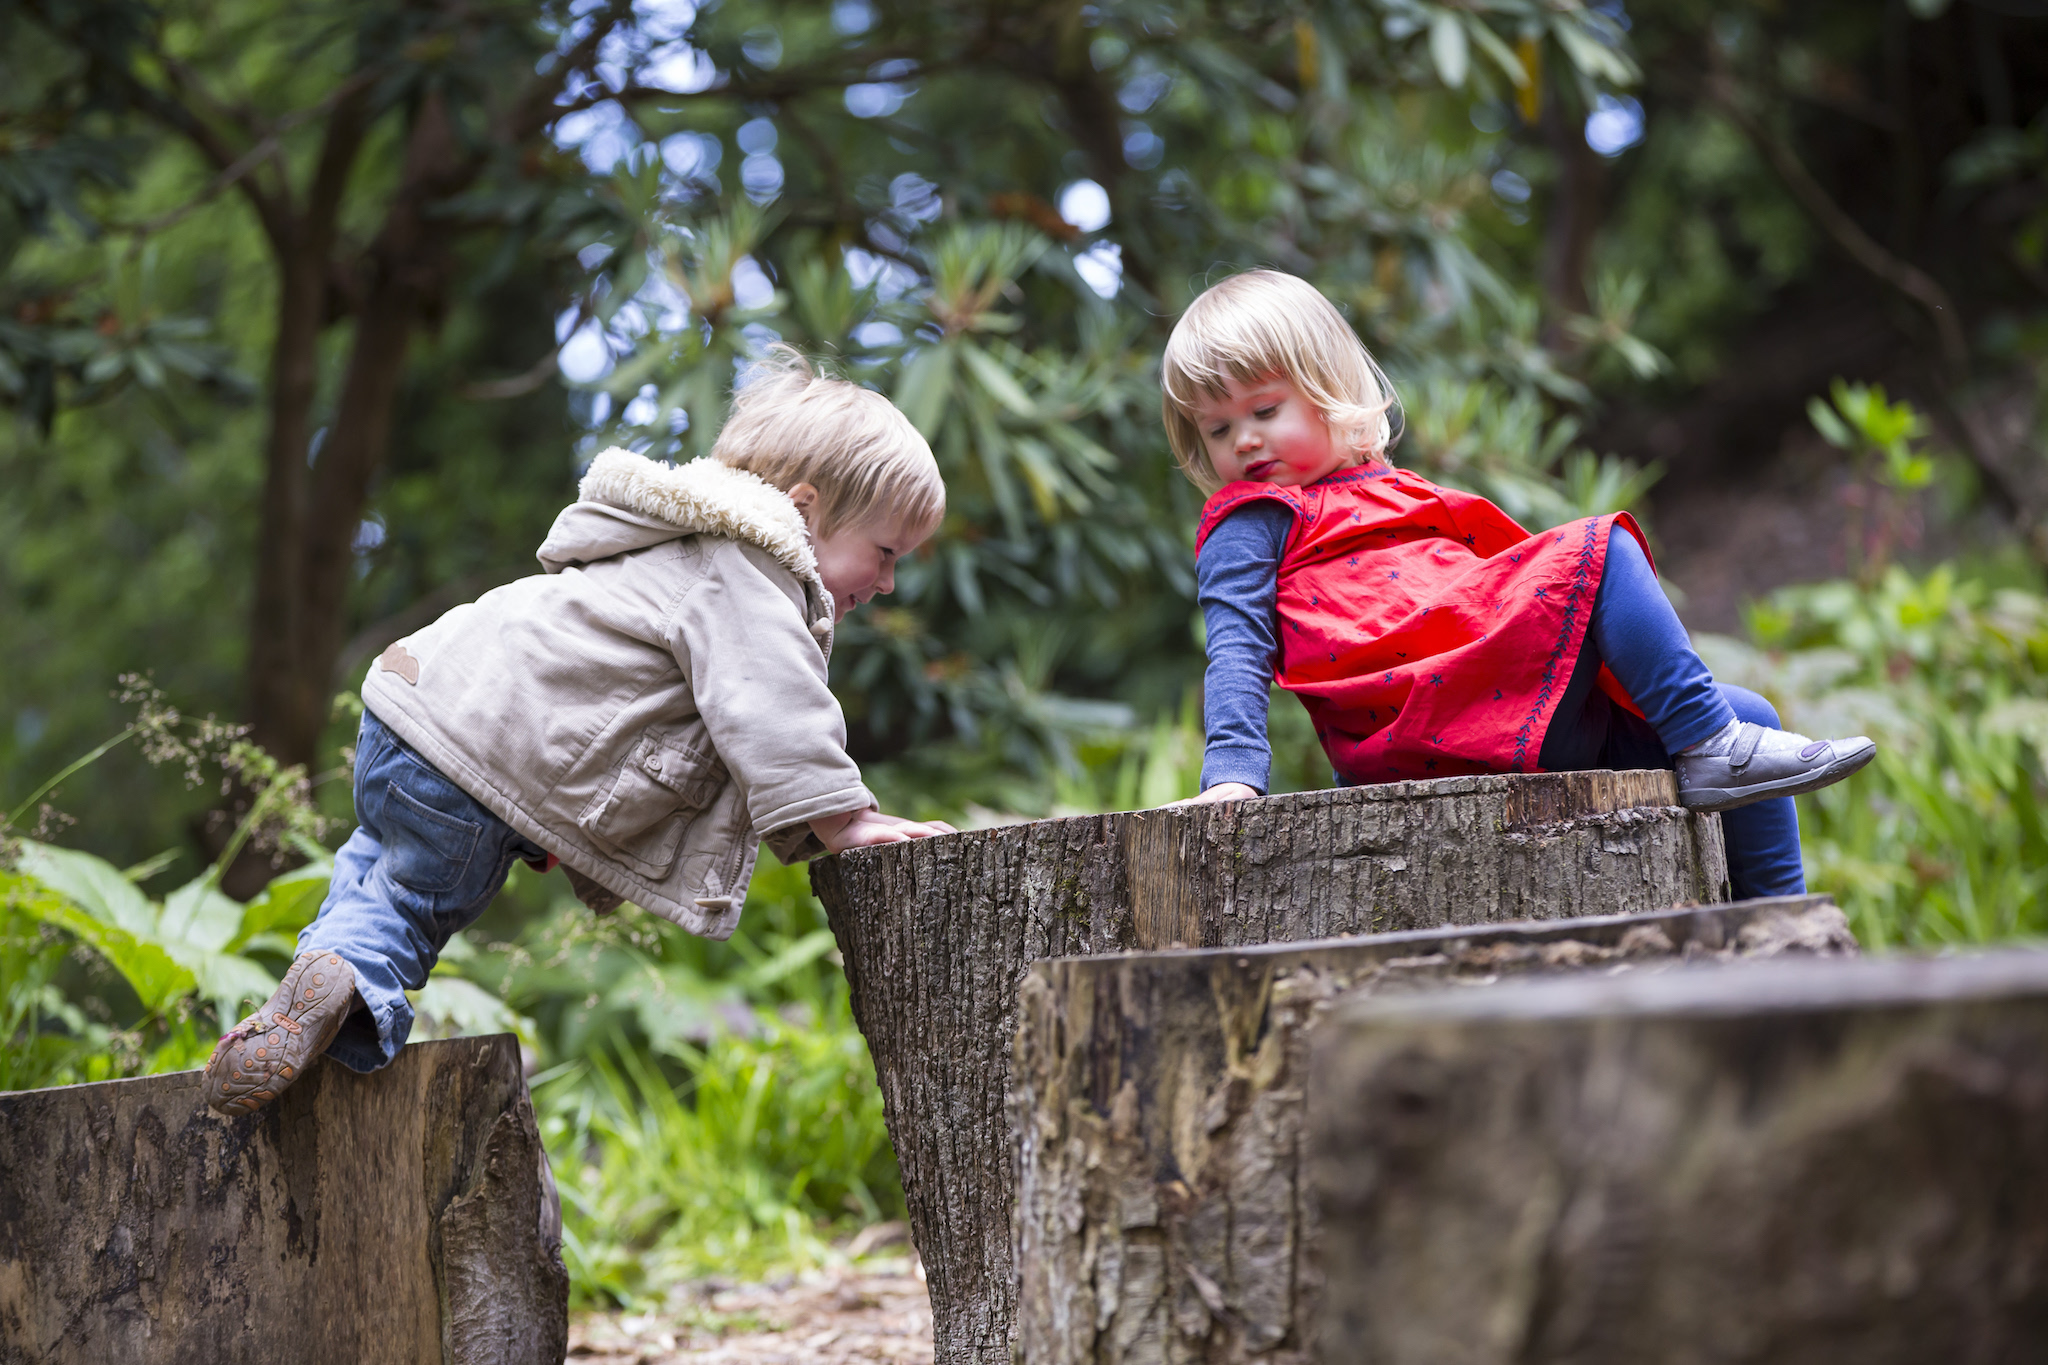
(644, 812)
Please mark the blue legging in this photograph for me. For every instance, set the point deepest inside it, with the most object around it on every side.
(1639, 637)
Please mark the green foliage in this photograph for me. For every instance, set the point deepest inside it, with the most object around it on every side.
(772, 1142)
(194, 942)
(187, 964)
(709, 1107)
(1860, 421)
(1941, 839)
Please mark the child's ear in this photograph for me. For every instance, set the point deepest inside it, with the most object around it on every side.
(805, 496)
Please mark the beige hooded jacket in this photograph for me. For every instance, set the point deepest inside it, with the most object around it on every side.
(652, 706)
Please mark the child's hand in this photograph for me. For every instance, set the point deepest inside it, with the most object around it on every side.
(916, 829)
(856, 829)
(1222, 791)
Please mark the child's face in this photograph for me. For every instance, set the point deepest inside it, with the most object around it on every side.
(858, 560)
(1266, 431)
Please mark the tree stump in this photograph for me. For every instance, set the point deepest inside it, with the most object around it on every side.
(1158, 1117)
(937, 934)
(395, 1219)
(1793, 1162)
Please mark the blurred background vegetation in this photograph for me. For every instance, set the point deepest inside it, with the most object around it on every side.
(310, 315)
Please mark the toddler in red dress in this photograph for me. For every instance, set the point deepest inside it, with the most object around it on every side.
(1426, 633)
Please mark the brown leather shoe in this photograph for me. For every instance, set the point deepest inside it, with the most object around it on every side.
(257, 1058)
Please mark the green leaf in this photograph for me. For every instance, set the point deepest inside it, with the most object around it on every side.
(285, 906)
(997, 381)
(93, 884)
(1498, 52)
(232, 983)
(157, 979)
(283, 945)
(149, 867)
(147, 368)
(926, 387)
(1832, 429)
(798, 955)
(1640, 356)
(1592, 57)
(625, 283)
(104, 366)
(199, 915)
(450, 1007)
(1447, 48)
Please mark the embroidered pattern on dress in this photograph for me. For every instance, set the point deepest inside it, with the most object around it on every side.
(1582, 576)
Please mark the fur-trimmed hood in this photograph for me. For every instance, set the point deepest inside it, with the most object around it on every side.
(629, 502)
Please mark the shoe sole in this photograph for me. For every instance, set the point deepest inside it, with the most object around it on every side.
(1712, 800)
(275, 1044)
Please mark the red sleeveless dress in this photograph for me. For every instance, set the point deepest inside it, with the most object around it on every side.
(1427, 634)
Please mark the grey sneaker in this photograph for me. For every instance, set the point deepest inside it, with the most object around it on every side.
(257, 1058)
(1756, 763)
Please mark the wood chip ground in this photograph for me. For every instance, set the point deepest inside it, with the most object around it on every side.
(874, 1310)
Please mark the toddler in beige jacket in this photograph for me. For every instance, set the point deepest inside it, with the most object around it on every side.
(645, 712)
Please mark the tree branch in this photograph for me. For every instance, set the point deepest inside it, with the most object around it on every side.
(186, 84)
(338, 148)
(536, 108)
(265, 148)
(841, 71)
(516, 386)
(178, 112)
(1915, 283)
(241, 166)
(636, 94)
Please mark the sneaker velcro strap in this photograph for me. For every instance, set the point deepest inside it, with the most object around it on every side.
(1746, 740)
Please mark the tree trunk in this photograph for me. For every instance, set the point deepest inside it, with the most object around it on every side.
(273, 635)
(1790, 1162)
(937, 935)
(308, 553)
(403, 1218)
(1576, 205)
(1157, 1113)
(302, 242)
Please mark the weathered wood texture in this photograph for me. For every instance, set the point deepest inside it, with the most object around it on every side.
(1801, 1163)
(937, 934)
(403, 1218)
(1158, 1106)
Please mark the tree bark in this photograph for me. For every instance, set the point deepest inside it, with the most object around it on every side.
(937, 935)
(1790, 1162)
(1157, 1115)
(406, 1217)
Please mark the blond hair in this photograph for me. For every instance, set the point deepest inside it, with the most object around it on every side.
(791, 425)
(1261, 324)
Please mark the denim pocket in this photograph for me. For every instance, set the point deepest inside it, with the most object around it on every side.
(425, 850)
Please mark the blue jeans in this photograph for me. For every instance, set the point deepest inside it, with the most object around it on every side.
(423, 863)
(1639, 637)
